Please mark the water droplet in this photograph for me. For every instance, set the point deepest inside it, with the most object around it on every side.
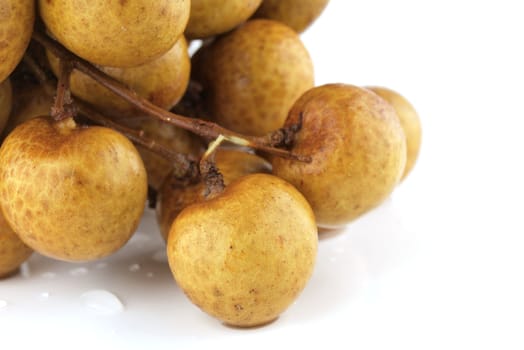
(150, 274)
(25, 271)
(3, 303)
(49, 275)
(139, 238)
(160, 256)
(44, 296)
(134, 267)
(339, 250)
(101, 265)
(102, 302)
(79, 271)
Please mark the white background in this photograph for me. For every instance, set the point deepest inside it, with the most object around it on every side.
(437, 266)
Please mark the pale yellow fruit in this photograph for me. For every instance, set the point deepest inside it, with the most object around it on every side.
(358, 151)
(6, 102)
(253, 75)
(124, 33)
(245, 255)
(174, 196)
(161, 81)
(211, 17)
(13, 252)
(298, 14)
(410, 121)
(71, 193)
(17, 18)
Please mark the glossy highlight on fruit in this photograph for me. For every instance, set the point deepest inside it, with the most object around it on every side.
(71, 193)
(358, 151)
(245, 255)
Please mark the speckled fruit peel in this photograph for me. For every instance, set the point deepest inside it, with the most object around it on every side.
(246, 254)
(358, 151)
(71, 193)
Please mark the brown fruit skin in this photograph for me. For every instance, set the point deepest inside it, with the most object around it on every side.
(13, 252)
(358, 151)
(17, 18)
(175, 139)
(71, 193)
(410, 121)
(30, 101)
(125, 33)
(253, 75)
(245, 255)
(6, 102)
(298, 14)
(162, 81)
(173, 196)
(211, 17)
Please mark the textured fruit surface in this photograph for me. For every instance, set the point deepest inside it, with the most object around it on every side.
(71, 193)
(161, 81)
(410, 121)
(253, 75)
(17, 18)
(211, 17)
(13, 252)
(298, 14)
(174, 197)
(6, 102)
(123, 33)
(358, 151)
(245, 255)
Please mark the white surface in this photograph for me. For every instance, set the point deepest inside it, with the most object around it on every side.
(438, 266)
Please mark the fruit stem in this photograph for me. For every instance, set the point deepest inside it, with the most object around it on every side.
(200, 127)
(210, 173)
(184, 167)
(62, 108)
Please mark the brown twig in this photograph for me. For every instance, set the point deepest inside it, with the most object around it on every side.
(62, 107)
(200, 127)
(185, 167)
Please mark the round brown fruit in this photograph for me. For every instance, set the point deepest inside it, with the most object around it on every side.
(211, 17)
(13, 252)
(116, 33)
(246, 254)
(6, 102)
(298, 14)
(161, 81)
(410, 121)
(358, 151)
(71, 193)
(252, 76)
(174, 196)
(17, 18)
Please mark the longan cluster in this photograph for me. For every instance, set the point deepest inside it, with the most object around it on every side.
(240, 222)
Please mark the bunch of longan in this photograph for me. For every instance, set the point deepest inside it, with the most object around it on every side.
(240, 222)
